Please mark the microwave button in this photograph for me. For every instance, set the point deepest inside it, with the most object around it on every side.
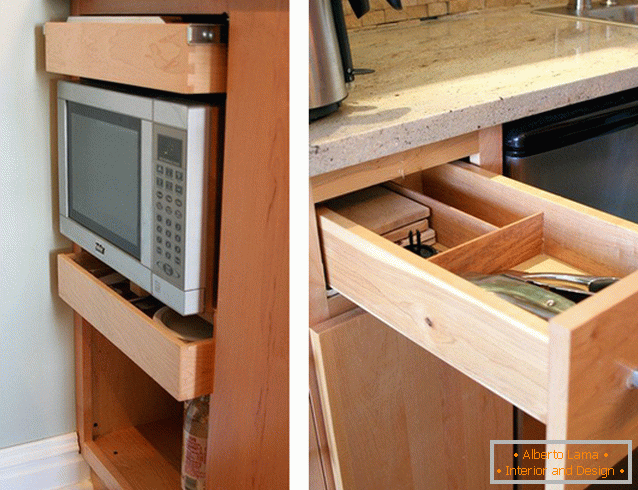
(179, 189)
(169, 172)
(158, 249)
(168, 255)
(178, 202)
(159, 218)
(169, 198)
(168, 222)
(169, 210)
(158, 205)
(179, 175)
(167, 244)
(160, 169)
(158, 228)
(169, 186)
(159, 181)
(168, 270)
(158, 239)
(168, 233)
(177, 248)
(178, 238)
(178, 261)
(159, 194)
(178, 226)
(178, 214)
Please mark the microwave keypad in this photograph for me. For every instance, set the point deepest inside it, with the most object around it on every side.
(168, 225)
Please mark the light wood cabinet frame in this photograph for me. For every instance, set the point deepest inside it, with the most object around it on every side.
(248, 435)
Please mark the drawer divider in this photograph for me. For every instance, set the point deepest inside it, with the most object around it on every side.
(497, 251)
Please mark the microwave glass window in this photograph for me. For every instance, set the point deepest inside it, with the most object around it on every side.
(104, 174)
(169, 150)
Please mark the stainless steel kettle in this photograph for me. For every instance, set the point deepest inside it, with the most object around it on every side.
(330, 59)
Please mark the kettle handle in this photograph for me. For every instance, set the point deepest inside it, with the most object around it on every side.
(342, 39)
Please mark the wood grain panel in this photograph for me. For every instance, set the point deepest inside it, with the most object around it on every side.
(590, 240)
(146, 55)
(506, 349)
(497, 251)
(453, 227)
(145, 7)
(349, 179)
(379, 209)
(592, 353)
(399, 417)
(184, 369)
(248, 436)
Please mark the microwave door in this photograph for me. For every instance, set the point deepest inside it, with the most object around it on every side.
(104, 167)
(105, 183)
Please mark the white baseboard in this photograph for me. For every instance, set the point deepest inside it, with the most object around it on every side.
(49, 464)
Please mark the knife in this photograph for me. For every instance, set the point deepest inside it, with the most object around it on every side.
(571, 283)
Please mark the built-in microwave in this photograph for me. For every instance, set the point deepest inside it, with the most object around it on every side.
(133, 173)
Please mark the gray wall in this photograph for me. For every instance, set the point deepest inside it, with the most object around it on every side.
(36, 333)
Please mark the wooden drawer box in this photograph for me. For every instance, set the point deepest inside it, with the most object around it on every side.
(156, 56)
(184, 369)
(570, 372)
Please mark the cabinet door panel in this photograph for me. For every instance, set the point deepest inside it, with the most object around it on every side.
(397, 417)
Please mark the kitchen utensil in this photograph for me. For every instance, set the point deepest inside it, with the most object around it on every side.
(570, 283)
(530, 297)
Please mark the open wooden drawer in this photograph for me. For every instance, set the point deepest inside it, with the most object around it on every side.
(570, 372)
(184, 369)
(172, 56)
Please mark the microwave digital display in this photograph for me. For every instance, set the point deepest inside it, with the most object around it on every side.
(169, 150)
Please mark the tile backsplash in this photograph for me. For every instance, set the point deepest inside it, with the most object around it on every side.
(381, 12)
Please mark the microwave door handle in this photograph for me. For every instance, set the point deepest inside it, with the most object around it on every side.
(146, 190)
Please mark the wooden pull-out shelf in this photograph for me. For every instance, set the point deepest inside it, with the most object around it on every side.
(156, 56)
(570, 372)
(184, 369)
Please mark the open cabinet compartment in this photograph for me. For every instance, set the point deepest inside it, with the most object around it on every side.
(184, 369)
(488, 224)
(130, 428)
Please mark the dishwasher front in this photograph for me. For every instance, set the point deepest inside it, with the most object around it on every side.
(587, 152)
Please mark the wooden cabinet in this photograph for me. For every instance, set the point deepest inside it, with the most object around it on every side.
(163, 56)
(130, 376)
(569, 372)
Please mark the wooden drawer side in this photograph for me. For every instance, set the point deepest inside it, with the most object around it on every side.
(183, 369)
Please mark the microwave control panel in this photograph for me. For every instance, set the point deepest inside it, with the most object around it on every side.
(169, 197)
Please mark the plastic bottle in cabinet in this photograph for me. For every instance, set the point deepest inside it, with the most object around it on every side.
(194, 446)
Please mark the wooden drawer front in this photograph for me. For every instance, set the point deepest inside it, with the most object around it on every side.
(155, 56)
(489, 224)
(184, 369)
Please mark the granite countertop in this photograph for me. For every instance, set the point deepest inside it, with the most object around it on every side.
(441, 78)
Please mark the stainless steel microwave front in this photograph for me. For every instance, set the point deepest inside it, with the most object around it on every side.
(132, 179)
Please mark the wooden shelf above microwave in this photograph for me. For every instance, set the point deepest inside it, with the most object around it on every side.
(153, 55)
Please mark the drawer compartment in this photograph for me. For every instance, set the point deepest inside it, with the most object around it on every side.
(157, 56)
(487, 224)
(184, 369)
